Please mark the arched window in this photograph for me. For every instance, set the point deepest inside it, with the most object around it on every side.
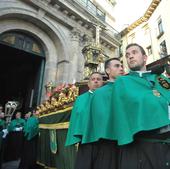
(22, 41)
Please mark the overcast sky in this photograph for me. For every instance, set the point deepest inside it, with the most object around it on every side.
(128, 11)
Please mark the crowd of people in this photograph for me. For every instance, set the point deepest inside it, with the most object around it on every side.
(18, 139)
(125, 123)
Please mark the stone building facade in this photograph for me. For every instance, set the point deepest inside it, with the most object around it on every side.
(55, 31)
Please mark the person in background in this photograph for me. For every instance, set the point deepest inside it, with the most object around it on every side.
(27, 116)
(2, 121)
(29, 151)
(16, 124)
(2, 127)
(14, 139)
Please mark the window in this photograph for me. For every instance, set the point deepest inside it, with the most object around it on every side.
(160, 28)
(22, 41)
(149, 49)
(163, 49)
(91, 7)
(147, 36)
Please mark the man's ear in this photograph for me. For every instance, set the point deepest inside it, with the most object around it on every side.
(88, 84)
(107, 70)
(145, 58)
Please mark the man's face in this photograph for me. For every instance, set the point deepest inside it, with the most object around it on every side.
(18, 115)
(115, 68)
(135, 59)
(95, 81)
(2, 115)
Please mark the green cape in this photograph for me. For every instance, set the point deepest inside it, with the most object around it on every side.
(78, 118)
(135, 108)
(2, 123)
(16, 123)
(97, 120)
(31, 128)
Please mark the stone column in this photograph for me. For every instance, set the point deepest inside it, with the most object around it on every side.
(75, 55)
(98, 34)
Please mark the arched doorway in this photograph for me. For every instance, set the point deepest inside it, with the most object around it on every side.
(22, 62)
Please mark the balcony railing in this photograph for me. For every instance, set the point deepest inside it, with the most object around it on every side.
(92, 9)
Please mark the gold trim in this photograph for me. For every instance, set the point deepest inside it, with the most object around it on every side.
(152, 7)
(63, 125)
(45, 166)
(59, 111)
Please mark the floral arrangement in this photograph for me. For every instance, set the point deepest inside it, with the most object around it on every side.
(59, 97)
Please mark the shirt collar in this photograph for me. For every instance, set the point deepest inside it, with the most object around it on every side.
(140, 73)
(90, 91)
(111, 80)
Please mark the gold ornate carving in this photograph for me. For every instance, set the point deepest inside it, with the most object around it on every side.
(61, 97)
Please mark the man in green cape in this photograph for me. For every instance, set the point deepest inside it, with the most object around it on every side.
(100, 104)
(14, 138)
(2, 126)
(16, 124)
(79, 116)
(139, 110)
(96, 151)
(29, 152)
(80, 108)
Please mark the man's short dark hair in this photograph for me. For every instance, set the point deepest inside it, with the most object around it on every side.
(96, 73)
(107, 62)
(135, 44)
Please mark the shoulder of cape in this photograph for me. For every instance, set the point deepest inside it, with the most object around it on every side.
(101, 89)
(82, 96)
(123, 77)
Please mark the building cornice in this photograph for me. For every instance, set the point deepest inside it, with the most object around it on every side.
(72, 16)
(154, 4)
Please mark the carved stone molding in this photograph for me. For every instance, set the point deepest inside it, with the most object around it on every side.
(85, 40)
(46, 2)
(75, 34)
(41, 13)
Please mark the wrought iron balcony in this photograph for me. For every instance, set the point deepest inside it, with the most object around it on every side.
(92, 9)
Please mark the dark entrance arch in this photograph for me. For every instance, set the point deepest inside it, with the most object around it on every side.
(22, 62)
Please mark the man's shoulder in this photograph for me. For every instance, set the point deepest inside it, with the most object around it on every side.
(104, 88)
(84, 95)
(123, 78)
(21, 119)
